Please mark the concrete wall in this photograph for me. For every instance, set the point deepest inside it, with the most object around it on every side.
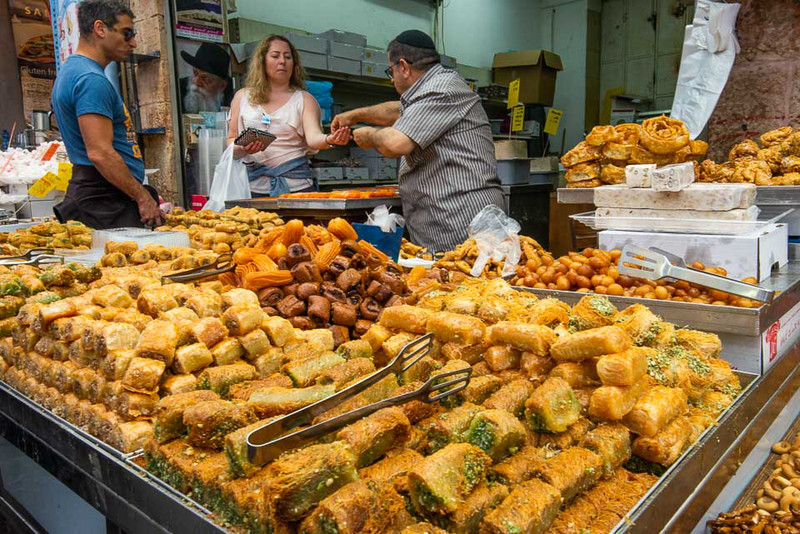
(565, 29)
(763, 90)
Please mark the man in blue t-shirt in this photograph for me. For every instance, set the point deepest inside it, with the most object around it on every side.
(106, 189)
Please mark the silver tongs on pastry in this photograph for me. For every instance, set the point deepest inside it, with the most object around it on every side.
(223, 264)
(268, 442)
(31, 256)
(654, 264)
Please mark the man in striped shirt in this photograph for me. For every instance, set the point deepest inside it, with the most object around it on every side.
(448, 172)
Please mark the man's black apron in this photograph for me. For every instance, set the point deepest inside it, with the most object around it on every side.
(97, 203)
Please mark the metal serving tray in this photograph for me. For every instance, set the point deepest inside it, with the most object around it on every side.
(129, 498)
(773, 195)
(575, 195)
(73, 428)
(747, 381)
(336, 204)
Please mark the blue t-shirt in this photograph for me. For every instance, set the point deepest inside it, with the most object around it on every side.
(81, 88)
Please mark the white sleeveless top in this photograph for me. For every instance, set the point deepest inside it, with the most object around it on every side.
(286, 123)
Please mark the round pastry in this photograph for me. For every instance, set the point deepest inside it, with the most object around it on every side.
(611, 174)
(683, 155)
(602, 134)
(641, 156)
(724, 172)
(630, 132)
(585, 184)
(582, 153)
(662, 135)
(775, 137)
(751, 171)
(792, 178)
(706, 171)
(790, 164)
(583, 171)
(773, 157)
(745, 149)
(618, 151)
(699, 149)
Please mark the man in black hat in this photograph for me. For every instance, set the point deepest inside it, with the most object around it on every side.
(439, 128)
(209, 87)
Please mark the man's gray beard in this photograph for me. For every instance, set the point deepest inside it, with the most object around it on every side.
(197, 100)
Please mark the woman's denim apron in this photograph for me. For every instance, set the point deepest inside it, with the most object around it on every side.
(296, 168)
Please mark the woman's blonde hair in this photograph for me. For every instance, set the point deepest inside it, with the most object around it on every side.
(257, 79)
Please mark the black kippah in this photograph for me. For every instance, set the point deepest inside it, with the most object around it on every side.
(416, 38)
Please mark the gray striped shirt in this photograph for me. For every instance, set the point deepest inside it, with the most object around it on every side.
(452, 174)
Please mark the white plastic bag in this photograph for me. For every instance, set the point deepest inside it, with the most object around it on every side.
(380, 216)
(709, 50)
(230, 182)
(497, 237)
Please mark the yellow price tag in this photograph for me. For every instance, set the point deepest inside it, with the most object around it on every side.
(518, 118)
(64, 176)
(513, 93)
(553, 119)
(43, 185)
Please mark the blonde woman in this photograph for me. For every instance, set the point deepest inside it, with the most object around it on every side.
(273, 99)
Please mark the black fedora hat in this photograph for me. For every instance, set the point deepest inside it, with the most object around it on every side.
(210, 58)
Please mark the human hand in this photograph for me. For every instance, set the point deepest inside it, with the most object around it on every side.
(363, 136)
(339, 137)
(345, 118)
(150, 213)
(252, 148)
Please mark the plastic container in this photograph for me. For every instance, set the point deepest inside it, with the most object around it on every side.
(683, 225)
(387, 242)
(514, 171)
(142, 236)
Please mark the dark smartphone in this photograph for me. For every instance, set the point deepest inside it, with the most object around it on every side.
(252, 135)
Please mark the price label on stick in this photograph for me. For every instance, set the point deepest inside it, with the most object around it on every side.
(64, 176)
(553, 119)
(518, 118)
(43, 185)
(513, 94)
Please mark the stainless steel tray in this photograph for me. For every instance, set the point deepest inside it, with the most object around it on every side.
(575, 195)
(747, 381)
(336, 204)
(778, 195)
(710, 317)
(73, 428)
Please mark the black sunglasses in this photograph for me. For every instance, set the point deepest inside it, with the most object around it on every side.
(127, 33)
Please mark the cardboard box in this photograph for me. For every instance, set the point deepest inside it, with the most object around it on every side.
(328, 173)
(510, 149)
(345, 66)
(374, 70)
(312, 60)
(742, 256)
(536, 69)
(345, 51)
(308, 43)
(339, 36)
(376, 55)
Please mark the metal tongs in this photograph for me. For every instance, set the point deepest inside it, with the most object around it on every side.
(654, 264)
(223, 264)
(268, 442)
(34, 256)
